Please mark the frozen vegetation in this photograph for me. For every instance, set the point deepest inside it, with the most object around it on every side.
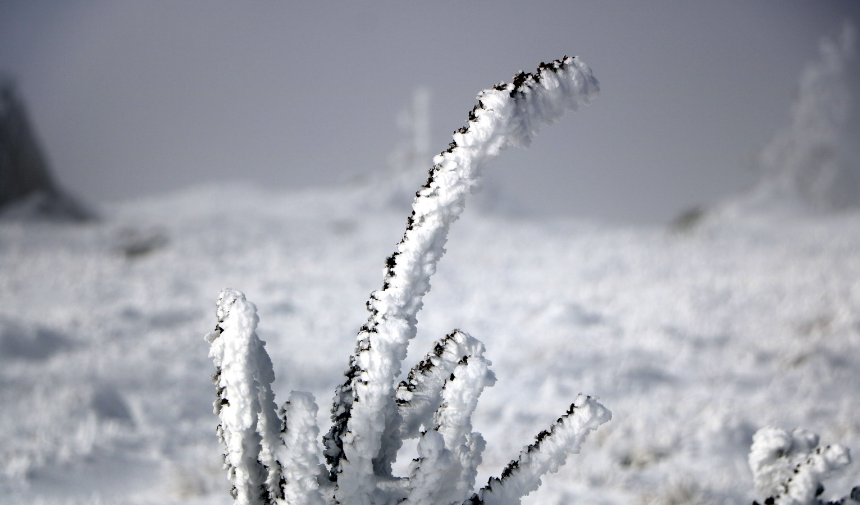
(371, 417)
(710, 347)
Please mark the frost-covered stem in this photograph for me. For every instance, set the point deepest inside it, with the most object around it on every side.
(454, 419)
(420, 394)
(431, 472)
(245, 403)
(300, 463)
(364, 409)
(546, 455)
(461, 449)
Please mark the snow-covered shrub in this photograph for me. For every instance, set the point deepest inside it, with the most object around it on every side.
(275, 461)
(788, 467)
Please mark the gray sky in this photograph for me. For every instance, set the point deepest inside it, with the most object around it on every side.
(136, 98)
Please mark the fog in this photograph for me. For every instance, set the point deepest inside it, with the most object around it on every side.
(133, 99)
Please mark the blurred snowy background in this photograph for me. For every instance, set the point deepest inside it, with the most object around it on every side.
(687, 248)
(139, 98)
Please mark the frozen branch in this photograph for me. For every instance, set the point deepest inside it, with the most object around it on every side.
(245, 402)
(364, 408)
(546, 455)
(450, 453)
(420, 394)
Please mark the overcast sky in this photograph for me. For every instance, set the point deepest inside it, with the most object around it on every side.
(137, 98)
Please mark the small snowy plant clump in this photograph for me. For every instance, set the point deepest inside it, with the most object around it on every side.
(271, 454)
(788, 467)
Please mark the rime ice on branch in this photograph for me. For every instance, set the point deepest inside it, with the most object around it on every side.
(371, 417)
(365, 412)
(246, 405)
(449, 453)
(546, 455)
(300, 461)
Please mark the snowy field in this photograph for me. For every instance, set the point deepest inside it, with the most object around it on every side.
(693, 338)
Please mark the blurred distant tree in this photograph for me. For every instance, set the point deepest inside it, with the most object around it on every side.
(815, 158)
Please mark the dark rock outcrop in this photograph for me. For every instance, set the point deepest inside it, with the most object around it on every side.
(27, 190)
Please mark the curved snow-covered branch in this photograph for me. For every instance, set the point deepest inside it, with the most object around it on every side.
(454, 422)
(420, 394)
(364, 407)
(245, 402)
(546, 455)
(370, 417)
(450, 453)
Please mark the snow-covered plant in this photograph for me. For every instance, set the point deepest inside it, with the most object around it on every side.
(789, 466)
(245, 403)
(371, 415)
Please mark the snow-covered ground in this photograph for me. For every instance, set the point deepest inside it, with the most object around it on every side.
(694, 338)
